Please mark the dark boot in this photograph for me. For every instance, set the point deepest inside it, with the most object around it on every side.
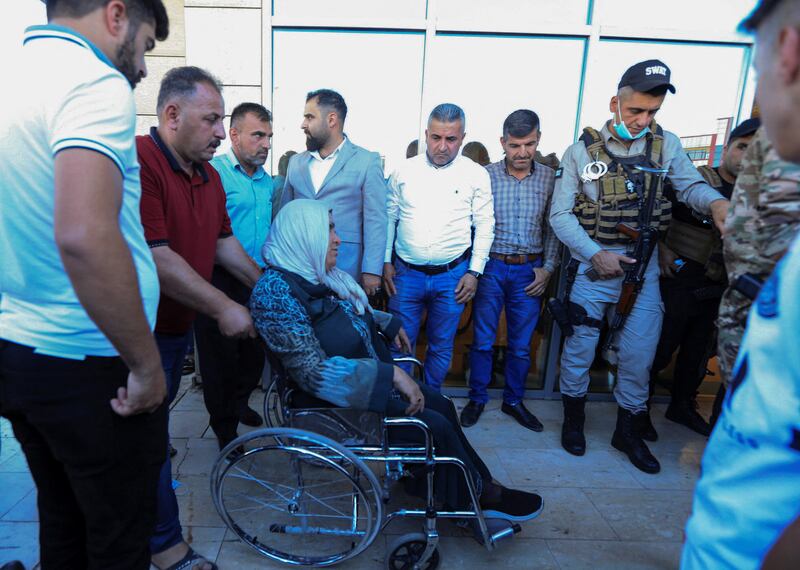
(627, 439)
(685, 413)
(572, 438)
(644, 425)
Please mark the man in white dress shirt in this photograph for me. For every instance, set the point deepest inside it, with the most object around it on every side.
(432, 261)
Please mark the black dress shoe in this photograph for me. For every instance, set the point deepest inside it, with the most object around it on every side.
(471, 413)
(13, 565)
(627, 440)
(644, 425)
(685, 413)
(249, 417)
(522, 415)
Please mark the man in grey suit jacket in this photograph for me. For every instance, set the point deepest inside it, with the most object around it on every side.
(349, 179)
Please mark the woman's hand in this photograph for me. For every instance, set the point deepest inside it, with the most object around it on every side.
(401, 341)
(410, 390)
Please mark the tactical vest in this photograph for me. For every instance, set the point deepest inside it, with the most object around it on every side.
(700, 242)
(618, 198)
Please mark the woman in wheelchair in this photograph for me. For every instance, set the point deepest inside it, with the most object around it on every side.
(316, 320)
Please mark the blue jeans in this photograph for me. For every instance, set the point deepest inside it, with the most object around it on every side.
(501, 285)
(417, 291)
(168, 530)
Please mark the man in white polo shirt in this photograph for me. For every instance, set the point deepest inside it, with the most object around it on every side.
(80, 376)
(432, 260)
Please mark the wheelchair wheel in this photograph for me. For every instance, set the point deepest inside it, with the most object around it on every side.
(297, 497)
(405, 551)
(273, 409)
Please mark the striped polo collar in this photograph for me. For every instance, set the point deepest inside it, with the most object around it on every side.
(66, 34)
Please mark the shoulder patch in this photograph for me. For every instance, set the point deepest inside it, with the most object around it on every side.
(559, 172)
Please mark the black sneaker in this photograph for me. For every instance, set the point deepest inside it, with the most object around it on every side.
(471, 413)
(513, 505)
(249, 417)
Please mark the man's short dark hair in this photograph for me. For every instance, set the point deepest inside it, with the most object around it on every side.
(242, 109)
(758, 15)
(329, 99)
(138, 11)
(448, 113)
(520, 123)
(182, 82)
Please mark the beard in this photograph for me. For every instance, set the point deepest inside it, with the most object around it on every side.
(314, 143)
(126, 58)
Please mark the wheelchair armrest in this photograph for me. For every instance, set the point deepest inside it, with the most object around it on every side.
(417, 364)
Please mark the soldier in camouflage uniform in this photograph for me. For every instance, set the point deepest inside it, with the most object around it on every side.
(763, 219)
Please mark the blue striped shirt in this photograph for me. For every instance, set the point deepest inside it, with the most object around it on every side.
(520, 213)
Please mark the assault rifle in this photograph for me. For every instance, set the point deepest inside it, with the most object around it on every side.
(645, 239)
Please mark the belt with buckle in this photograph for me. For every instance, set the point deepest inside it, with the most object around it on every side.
(437, 269)
(517, 258)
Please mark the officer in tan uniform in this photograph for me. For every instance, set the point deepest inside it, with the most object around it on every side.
(692, 281)
(597, 187)
(763, 220)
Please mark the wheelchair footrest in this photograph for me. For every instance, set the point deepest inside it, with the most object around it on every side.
(503, 529)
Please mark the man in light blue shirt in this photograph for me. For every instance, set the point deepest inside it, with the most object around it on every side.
(232, 367)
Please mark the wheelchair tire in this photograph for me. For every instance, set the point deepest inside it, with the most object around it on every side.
(273, 409)
(297, 497)
(406, 550)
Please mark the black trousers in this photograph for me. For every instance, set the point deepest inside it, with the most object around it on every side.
(689, 328)
(95, 471)
(441, 417)
(230, 368)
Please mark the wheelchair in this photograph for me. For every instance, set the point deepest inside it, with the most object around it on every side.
(313, 488)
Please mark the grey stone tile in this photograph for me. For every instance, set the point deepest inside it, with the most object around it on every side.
(19, 541)
(199, 457)
(234, 555)
(557, 468)
(179, 443)
(594, 554)
(678, 471)
(14, 461)
(205, 540)
(516, 552)
(568, 514)
(14, 488)
(644, 514)
(491, 458)
(190, 401)
(187, 424)
(25, 510)
(195, 503)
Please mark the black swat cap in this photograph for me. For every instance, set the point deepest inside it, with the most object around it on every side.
(646, 76)
(745, 128)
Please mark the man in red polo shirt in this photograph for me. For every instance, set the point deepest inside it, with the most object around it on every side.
(187, 228)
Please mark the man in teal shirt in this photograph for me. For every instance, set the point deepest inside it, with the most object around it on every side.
(231, 368)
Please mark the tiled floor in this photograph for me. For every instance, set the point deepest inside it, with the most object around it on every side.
(600, 512)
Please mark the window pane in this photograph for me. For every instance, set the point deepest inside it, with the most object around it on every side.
(708, 15)
(491, 76)
(355, 9)
(378, 74)
(513, 11)
(705, 91)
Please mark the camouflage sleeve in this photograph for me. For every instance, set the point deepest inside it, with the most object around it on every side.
(765, 210)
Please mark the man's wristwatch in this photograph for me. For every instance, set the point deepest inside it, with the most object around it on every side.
(475, 274)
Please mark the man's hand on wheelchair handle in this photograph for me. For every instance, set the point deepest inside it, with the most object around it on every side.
(401, 341)
(410, 390)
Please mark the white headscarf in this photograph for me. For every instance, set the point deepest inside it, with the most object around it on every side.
(298, 242)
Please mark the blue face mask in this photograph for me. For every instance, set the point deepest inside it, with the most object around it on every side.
(625, 134)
